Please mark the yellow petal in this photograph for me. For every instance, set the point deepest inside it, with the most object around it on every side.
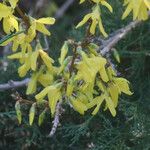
(64, 51)
(123, 85)
(45, 79)
(103, 74)
(32, 85)
(47, 20)
(69, 90)
(147, 3)
(100, 99)
(114, 93)
(31, 33)
(103, 2)
(15, 56)
(111, 106)
(85, 19)
(101, 28)
(93, 26)
(54, 96)
(24, 68)
(78, 106)
(41, 28)
(5, 11)
(34, 57)
(43, 93)
(47, 60)
(127, 11)
(9, 24)
(13, 3)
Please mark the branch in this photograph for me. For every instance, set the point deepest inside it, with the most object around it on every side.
(56, 119)
(63, 9)
(112, 41)
(14, 84)
(108, 44)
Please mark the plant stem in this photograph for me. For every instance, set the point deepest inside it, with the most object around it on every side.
(23, 16)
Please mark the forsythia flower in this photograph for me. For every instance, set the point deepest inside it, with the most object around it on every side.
(40, 24)
(95, 17)
(138, 7)
(54, 95)
(90, 70)
(84, 84)
(29, 61)
(44, 79)
(13, 3)
(9, 20)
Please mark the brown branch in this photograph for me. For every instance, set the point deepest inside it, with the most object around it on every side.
(14, 84)
(23, 16)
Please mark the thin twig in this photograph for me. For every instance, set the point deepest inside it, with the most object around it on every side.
(59, 14)
(112, 41)
(114, 38)
(23, 16)
(56, 119)
(14, 84)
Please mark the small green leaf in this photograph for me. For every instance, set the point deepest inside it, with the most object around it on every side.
(116, 55)
(93, 48)
(32, 113)
(9, 36)
(18, 112)
(42, 117)
(64, 51)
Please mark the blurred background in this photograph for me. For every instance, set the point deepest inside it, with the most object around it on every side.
(129, 130)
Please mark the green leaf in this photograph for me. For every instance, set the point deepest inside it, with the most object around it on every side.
(116, 55)
(18, 112)
(9, 36)
(42, 117)
(32, 113)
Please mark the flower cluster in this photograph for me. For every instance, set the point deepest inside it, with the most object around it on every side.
(84, 80)
(138, 7)
(95, 16)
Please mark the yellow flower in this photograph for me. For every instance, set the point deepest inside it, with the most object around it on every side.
(138, 7)
(64, 51)
(123, 85)
(9, 20)
(89, 67)
(47, 60)
(54, 95)
(9, 24)
(44, 79)
(95, 16)
(78, 105)
(29, 60)
(13, 3)
(5, 11)
(24, 59)
(40, 24)
(23, 40)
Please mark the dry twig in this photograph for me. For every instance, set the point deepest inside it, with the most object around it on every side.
(56, 119)
(14, 84)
